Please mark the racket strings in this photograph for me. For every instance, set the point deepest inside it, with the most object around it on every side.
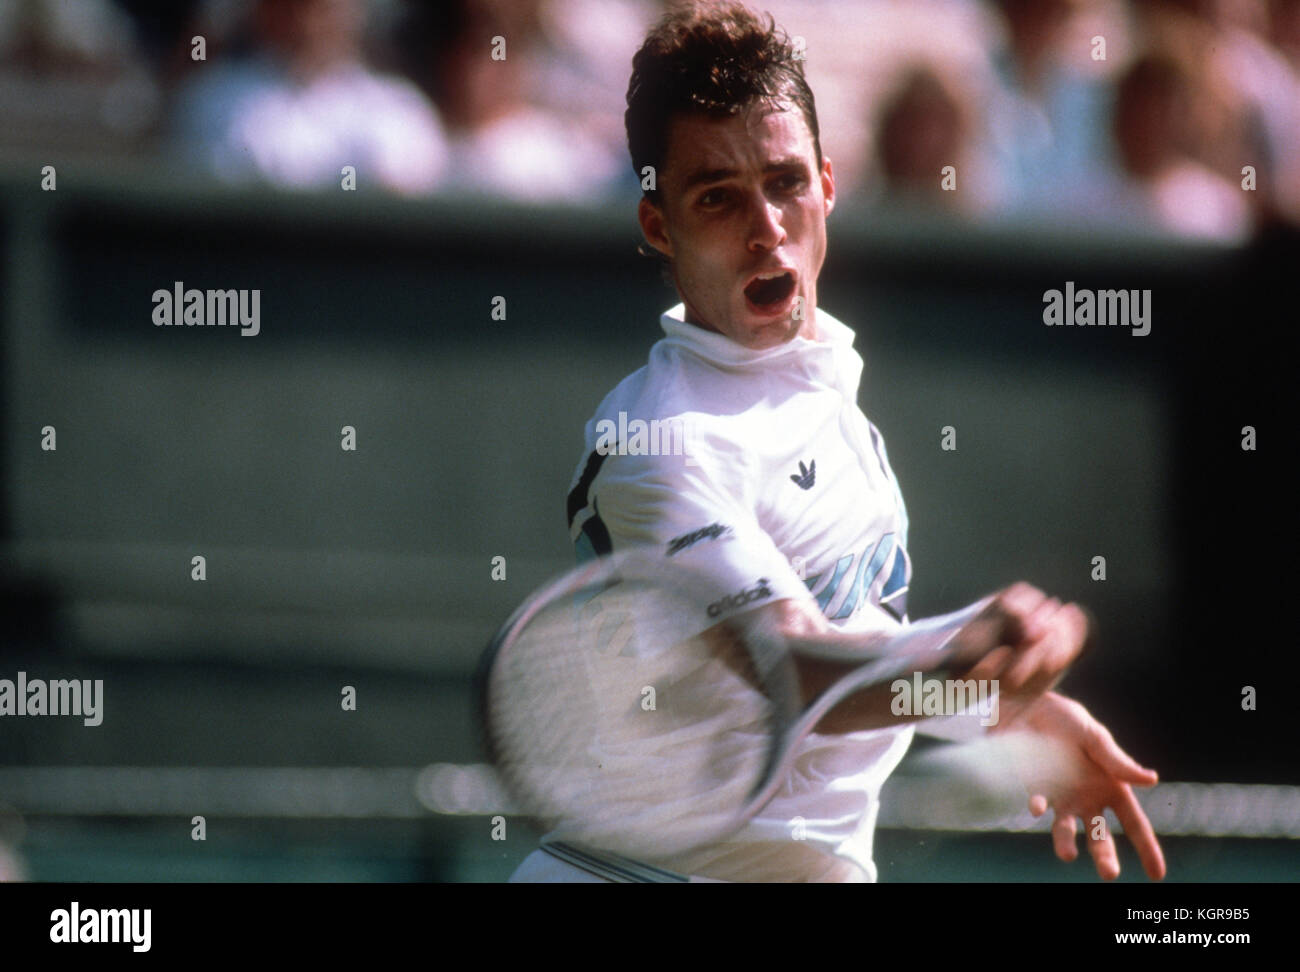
(617, 732)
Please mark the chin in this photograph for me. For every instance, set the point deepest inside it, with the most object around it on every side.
(770, 335)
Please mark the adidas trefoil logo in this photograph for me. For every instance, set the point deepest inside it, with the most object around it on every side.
(807, 475)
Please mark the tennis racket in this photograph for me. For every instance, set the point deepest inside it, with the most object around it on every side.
(619, 727)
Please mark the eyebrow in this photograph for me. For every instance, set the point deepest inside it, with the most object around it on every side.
(704, 176)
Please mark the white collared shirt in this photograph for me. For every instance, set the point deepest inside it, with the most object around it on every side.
(758, 469)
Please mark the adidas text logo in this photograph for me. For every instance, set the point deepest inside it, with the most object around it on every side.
(756, 593)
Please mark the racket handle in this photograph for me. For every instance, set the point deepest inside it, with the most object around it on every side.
(917, 639)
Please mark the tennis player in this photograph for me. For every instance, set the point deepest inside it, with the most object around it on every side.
(740, 450)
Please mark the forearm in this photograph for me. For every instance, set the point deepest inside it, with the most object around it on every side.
(824, 654)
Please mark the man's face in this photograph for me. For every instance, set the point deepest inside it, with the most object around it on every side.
(742, 216)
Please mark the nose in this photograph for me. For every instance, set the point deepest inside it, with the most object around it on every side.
(765, 231)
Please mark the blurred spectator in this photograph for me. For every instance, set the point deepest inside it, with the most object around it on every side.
(303, 104)
(502, 143)
(71, 78)
(1156, 140)
(579, 61)
(858, 53)
(1048, 116)
(1264, 96)
(1244, 96)
(926, 124)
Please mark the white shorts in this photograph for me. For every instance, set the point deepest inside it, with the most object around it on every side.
(565, 864)
(540, 867)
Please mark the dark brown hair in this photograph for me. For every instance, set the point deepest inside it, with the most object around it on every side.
(714, 59)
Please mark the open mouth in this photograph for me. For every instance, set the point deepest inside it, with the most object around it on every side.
(769, 292)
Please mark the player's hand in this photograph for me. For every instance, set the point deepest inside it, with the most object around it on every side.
(1088, 773)
(1034, 640)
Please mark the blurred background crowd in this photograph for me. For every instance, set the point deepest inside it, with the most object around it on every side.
(1144, 113)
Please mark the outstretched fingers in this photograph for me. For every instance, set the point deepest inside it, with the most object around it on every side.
(1101, 845)
(1139, 831)
(1063, 831)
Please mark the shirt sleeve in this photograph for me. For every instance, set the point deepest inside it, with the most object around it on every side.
(698, 521)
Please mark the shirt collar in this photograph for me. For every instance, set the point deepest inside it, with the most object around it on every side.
(830, 359)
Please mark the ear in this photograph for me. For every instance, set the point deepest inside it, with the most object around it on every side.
(828, 185)
(651, 218)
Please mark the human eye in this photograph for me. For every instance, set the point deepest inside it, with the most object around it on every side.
(791, 182)
(714, 198)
